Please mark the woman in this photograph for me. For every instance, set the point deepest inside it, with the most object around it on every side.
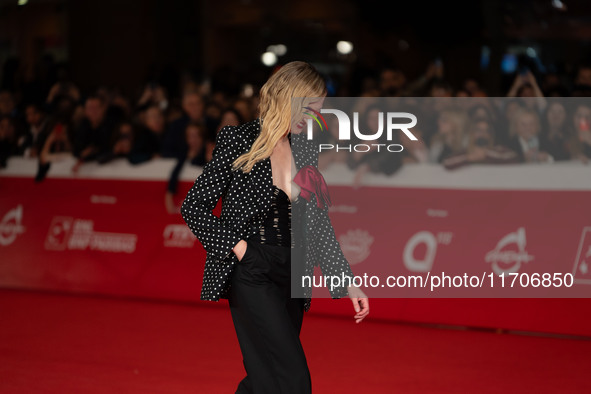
(555, 131)
(249, 247)
(580, 141)
(451, 137)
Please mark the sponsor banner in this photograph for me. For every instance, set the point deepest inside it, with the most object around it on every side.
(97, 236)
(114, 237)
(442, 243)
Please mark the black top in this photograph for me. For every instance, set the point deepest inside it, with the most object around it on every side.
(276, 229)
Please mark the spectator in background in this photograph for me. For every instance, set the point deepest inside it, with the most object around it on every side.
(415, 152)
(213, 114)
(420, 87)
(451, 137)
(481, 148)
(63, 89)
(196, 154)
(119, 106)
(552, 85)
(244, 107)
(392, 82)
(440, 88)
(122, 144)
(583, 77)
(94, 135)
(154, 94)
(230, 117)
(472, 87)
(8, 145)
(65, 109)
(219, 98)
(32, 141)
(369, 87)
(57, 147)
(481, 112)
(174, 142)
(209, 145)
(58, 82)
(7, 106)
(526, 127)
(555, 132)
(147, 137)
(504, 130)
(373, 160)
(581, 140)
(525, 85)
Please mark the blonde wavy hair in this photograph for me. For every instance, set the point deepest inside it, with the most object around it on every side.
(282, 99)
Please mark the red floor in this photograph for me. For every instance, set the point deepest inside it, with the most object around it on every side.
(53, 343)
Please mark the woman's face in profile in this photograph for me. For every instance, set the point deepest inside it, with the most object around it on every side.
(300, 122)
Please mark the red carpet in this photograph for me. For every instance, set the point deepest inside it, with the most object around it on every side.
(52, 343)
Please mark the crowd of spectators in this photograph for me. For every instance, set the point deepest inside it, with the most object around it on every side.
(530, 125)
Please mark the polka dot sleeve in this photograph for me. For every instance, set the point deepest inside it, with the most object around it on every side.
(217, 239)
(326, 251)
(331, 259)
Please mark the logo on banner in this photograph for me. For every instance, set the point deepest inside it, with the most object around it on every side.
(78, 234)
(428, 241)
(582, 268)
(178, 236)
(504, 258)
(59, 231)
(10, 226)
(356, 245)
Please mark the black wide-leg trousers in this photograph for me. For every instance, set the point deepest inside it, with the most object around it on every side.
(268, 322)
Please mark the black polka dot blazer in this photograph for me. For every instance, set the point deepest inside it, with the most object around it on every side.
(246, 200)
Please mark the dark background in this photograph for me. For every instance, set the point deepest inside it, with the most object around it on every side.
(126, 43)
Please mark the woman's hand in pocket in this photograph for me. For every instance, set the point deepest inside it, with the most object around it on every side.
(240, 249)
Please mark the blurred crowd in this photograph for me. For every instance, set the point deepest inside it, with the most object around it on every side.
(531, 124)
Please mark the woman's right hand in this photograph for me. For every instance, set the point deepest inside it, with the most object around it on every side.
(240, 249)
(360, 302)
